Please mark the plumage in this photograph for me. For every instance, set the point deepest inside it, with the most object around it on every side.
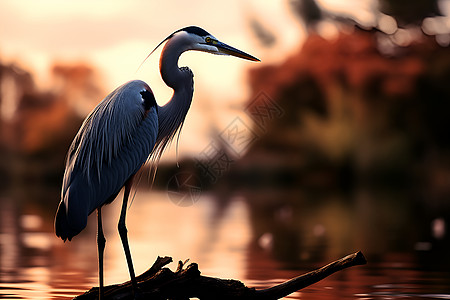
(112, 144)
(122, 132)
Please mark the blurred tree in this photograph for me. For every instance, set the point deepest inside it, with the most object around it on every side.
(405, 13)
(408, 12)
(265, 36)
(348, 107)
(308, 11)
(36, 126)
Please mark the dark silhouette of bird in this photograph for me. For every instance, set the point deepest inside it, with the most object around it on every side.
(122, 132)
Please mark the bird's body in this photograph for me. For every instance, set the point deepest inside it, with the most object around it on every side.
(119, 136)
(113, 143)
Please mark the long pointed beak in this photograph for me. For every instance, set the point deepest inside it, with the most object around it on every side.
(228, 50)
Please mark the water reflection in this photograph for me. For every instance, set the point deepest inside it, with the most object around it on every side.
(259, 237)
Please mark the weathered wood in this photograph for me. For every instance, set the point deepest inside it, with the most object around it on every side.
(159, 282)
(312, 277)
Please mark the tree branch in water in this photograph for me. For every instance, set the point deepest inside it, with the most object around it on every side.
(159, 282)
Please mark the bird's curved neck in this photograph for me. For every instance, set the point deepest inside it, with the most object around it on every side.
(172, 75)
(171, 116)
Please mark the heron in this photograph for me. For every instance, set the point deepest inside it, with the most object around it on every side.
(124, 131)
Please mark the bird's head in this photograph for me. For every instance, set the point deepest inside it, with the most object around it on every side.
(200, 40)
(196, 38)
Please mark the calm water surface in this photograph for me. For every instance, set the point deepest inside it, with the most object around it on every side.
(255, 238)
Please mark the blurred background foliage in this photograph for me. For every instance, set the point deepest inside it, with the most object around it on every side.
(348, 107)
(37, 126)
(410, 12)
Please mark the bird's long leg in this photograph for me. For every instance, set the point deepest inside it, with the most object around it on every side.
(101, 242)
(123, 233)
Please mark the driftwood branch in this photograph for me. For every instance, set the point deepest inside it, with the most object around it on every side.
(159, 282)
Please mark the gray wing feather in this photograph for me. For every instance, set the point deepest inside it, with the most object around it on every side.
(114, 141)
(107, 128)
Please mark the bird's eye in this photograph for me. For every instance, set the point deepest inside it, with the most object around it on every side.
(208, 40)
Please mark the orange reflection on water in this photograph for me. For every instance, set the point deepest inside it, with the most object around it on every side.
(220, 233)
(157, 227)
(39, 265)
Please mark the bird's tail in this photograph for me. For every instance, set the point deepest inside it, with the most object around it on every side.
(62, 227)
